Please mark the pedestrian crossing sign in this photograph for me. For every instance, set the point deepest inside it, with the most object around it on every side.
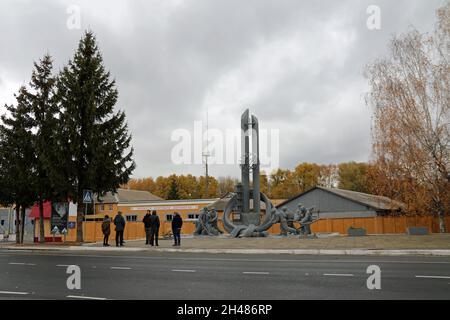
(87, 196)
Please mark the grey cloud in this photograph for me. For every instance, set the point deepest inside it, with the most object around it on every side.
(167, 60)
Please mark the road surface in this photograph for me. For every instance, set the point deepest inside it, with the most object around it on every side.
(37, 275)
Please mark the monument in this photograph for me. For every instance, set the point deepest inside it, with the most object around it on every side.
(242, 215)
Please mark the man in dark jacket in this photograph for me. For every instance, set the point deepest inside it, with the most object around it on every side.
(154, 228)
(119, 222)
(177, 223)
(146, 222)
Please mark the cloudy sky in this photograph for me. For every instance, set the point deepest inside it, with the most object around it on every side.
(296, 64)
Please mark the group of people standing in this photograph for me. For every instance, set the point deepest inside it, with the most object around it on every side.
(151, 225)
(119, 222)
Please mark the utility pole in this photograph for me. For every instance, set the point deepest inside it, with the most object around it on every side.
(206, 156)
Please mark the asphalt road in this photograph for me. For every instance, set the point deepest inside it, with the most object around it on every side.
(32, 275)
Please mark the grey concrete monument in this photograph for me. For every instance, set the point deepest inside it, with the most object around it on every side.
(242, 216)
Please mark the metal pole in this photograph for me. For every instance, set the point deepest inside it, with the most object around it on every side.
(95, 218)
(84, 222)
(9, 221)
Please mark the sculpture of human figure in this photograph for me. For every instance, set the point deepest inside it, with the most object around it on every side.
(289, 220)
(306, 221)
(298, 212)
(302, 217)
(202, 219)
(207, 223)
(214, 217)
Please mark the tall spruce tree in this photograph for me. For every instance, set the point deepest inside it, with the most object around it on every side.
(17, 159)
(44, 110)
(95, 141)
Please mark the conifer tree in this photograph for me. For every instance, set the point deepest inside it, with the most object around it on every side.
(173, 191)
(41, 99)
(17, 159)
(94, 140)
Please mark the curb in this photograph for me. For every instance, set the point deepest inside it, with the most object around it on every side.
(336, 252)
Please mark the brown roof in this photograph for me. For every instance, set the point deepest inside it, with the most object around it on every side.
(126, 195)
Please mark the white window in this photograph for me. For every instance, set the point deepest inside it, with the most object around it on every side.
(169, 217)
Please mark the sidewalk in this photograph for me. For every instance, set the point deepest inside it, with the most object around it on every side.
(433, 245)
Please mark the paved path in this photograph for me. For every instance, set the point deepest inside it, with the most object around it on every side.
(31, 275)
(385, 242)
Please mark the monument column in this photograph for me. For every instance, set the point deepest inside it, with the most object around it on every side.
(245, 166)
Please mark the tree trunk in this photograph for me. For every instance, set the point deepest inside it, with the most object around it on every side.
(22, 223)
(441, 222)
(17, 223)
(41, 221)
(80, 218)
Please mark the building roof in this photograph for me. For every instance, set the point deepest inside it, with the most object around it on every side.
(127, 195)
(378, 203)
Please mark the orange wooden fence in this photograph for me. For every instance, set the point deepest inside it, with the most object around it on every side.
(375, 225)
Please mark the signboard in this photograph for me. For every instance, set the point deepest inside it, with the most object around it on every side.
(71, 225)
(88, 196)
(60, 215)
(193, 207)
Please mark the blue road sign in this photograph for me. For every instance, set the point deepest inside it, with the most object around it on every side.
(88, 196)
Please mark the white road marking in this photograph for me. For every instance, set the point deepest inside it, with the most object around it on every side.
(178, 270)
(85, 297)
(433, 277)
(14, 292)
(339, 274)
(254, 272)
(22, 264)
(63, 265)
(120, 268)
(250, 260)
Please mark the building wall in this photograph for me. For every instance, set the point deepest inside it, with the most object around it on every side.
(8, 223)
(136, 211)
(331, 205)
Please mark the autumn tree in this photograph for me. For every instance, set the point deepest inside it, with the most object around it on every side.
(328, 176)
(353, 176)
(306, 176)
(188, 187)
(410, 97)
(143, 184)
(226, 184)
(282, 184)
(213, 187)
